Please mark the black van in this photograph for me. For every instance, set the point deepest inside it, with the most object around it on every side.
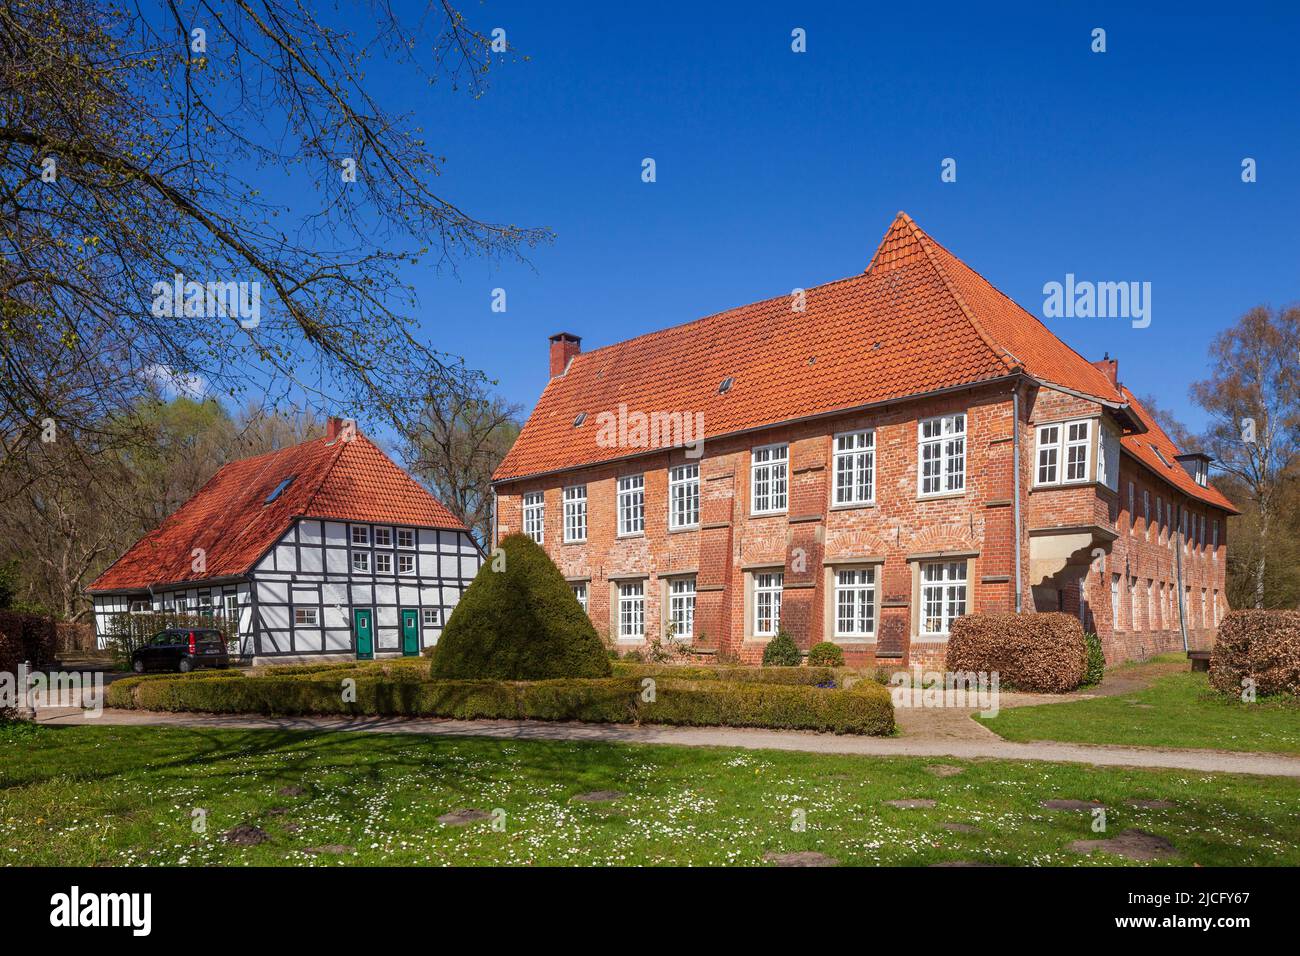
(181, 649)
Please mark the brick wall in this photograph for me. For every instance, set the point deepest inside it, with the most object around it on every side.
(897, 531)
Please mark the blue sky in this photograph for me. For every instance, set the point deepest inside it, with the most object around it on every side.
(778, 170)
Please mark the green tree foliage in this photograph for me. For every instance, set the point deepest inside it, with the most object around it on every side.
(519, 620)
(781, 651)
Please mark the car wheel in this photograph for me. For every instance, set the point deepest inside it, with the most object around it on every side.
(138, 666)
(185, 666)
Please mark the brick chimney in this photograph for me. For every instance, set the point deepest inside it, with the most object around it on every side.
(1111, 367)
(335, 427)
(564, 346)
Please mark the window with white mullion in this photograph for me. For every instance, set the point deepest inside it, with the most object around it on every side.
(1064, 449)
(941, 452)
(681, 608)
(855, 603)
(631, 610)
(767, 603)
(575, 513)
(631, 505)
(855, 466)
(768, 470)
(535, 516)
(580, 593)
(943, 596)
(684, 496)
(1049, 454)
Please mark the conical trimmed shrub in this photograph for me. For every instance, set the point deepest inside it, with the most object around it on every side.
(519, 623)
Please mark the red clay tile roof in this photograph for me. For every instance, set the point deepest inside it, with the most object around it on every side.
(1143, 448)
(230, 520)
(917, 320)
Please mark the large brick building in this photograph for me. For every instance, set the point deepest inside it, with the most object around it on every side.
(882, 454)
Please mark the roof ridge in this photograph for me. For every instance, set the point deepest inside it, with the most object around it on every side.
(922, 238)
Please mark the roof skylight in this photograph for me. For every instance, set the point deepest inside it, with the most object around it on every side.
(279, 488)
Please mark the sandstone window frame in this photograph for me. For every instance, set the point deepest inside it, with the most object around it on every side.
(575, 514)
(769, 470)
(630, 505)
(679, 603)
(837, 587)
(948, 444)
(684, 496)
(763, 582)
(853, 453)
(534, 515)
(629, 609)
(945, 584)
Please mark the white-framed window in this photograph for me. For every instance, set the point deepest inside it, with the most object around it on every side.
(1049, 455)
(631, 505)
(232, 607)
(767, 602)
(1132, 505)
(1151, 621)
(1160, 606)
(1077, 444)
(575, 513)
(1214, 542)
(684, 496)
(1146, 513)
(306, 617)
(1216, 607)
(360, 535)
(361, 561)
(432, 616)
(1114, 601)
(767, 479)
(681, 607)
(943, 595)
(855, 467)
(580, 593)
(631, 610)
(855, 602)
(1160, 520)
(383, 537)
(405, 537)
(1203, 617)
(941, 451)
(406, 564)
(1134, 623)
(383, 563)
(535, 516)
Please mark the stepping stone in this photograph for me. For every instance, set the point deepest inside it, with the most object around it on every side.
(293, 791)
(277, 811)
(945, 770)
(1070, 804)
(599, 796)
(331, 848)
(1151, 804)
(801, 858)
(963, 863)
(1131, 844)
(459, 818)
(246, 835)
(911, 804)
(961, 828)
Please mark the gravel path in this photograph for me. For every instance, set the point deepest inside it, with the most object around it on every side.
(987, 746)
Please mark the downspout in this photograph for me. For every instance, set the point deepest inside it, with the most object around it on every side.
(493, 543)
(1015, 471)
(1178, 565)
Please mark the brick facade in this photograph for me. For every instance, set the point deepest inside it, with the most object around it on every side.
(896, 534)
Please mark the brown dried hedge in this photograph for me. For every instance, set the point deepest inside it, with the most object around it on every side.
(1262, 645)
(1044, 653)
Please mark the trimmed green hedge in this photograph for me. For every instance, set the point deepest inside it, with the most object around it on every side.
(747, 675)
(519, 620)
(866, 709)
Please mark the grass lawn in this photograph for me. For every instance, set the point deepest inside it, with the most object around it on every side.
(125, 795)
(1177, 710)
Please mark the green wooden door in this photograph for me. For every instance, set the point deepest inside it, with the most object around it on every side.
(410, 632)
(363, 625)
